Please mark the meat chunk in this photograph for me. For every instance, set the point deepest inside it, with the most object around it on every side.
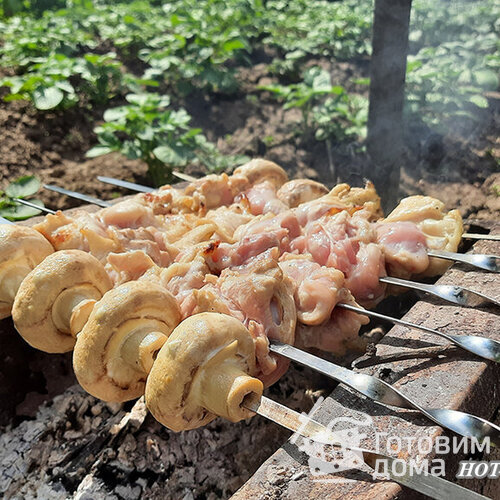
(258, 294)
(404, 247)
(339, 334)
(128, 214)
(262, 199)
(443, 230)
(316, 288)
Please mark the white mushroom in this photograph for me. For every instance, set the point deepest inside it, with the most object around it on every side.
(56, 297)
(21, 249)
(204, 370)
(117, 346)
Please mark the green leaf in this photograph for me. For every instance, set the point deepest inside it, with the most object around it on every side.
(21, 212)
(47, 97)
(169, 156)
(479, 100)
(22, 187)
(231, 45)
(114, 114)
(487, 79)
(98, 151)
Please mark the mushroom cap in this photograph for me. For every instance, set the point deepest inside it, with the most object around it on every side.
(173, 389)
(298, 191)
(136, 307)
(21, 249)
(33, 313)
(259, 170)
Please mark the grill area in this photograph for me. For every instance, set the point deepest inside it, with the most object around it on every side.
(75, 446)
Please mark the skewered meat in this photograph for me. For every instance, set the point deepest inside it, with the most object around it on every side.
(443, 230)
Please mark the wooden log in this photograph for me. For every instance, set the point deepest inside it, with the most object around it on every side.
(387, 81)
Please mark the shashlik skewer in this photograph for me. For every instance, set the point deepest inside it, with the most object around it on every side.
(460, 296)
(82, 236)
(35, 206)
(189, 178)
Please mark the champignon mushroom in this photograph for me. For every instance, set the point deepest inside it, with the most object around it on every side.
(56, 297)
(259, 170)
(117, 346)
(21, 249)
(204, 370)
(298, 191)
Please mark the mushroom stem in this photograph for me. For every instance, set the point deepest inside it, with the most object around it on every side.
(72, 308)
(140, 349)
(224, 385)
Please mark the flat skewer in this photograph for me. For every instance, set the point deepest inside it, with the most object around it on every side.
(480, 346)
(423, 482)
(470, 236)
(125, 184)
(34, 205)
(454, 294)
(78, 196)
(478, 236)
(379, 391)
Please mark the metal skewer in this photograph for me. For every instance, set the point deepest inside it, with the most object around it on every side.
(34, 205)
(451, 293)
(125, 184)
(79, 196)
(478, 236)
(379, 391)
(423, 482)
(454, 294)
(480, 346)
(486, 262)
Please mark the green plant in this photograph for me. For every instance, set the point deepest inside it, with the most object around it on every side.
(340, 118)
(454, 61)
(304, 95)
(19, 189)
(327, 110)
(148, 129)
(61, 81)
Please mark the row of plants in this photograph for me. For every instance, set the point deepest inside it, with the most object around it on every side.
(98, 53)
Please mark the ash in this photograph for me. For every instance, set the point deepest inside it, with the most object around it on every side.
(80, 448)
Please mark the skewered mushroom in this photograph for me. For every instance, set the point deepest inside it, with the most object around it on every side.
(117, 346)
(204, 370)
(21, 249)
(56, 297)
(259, 170)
